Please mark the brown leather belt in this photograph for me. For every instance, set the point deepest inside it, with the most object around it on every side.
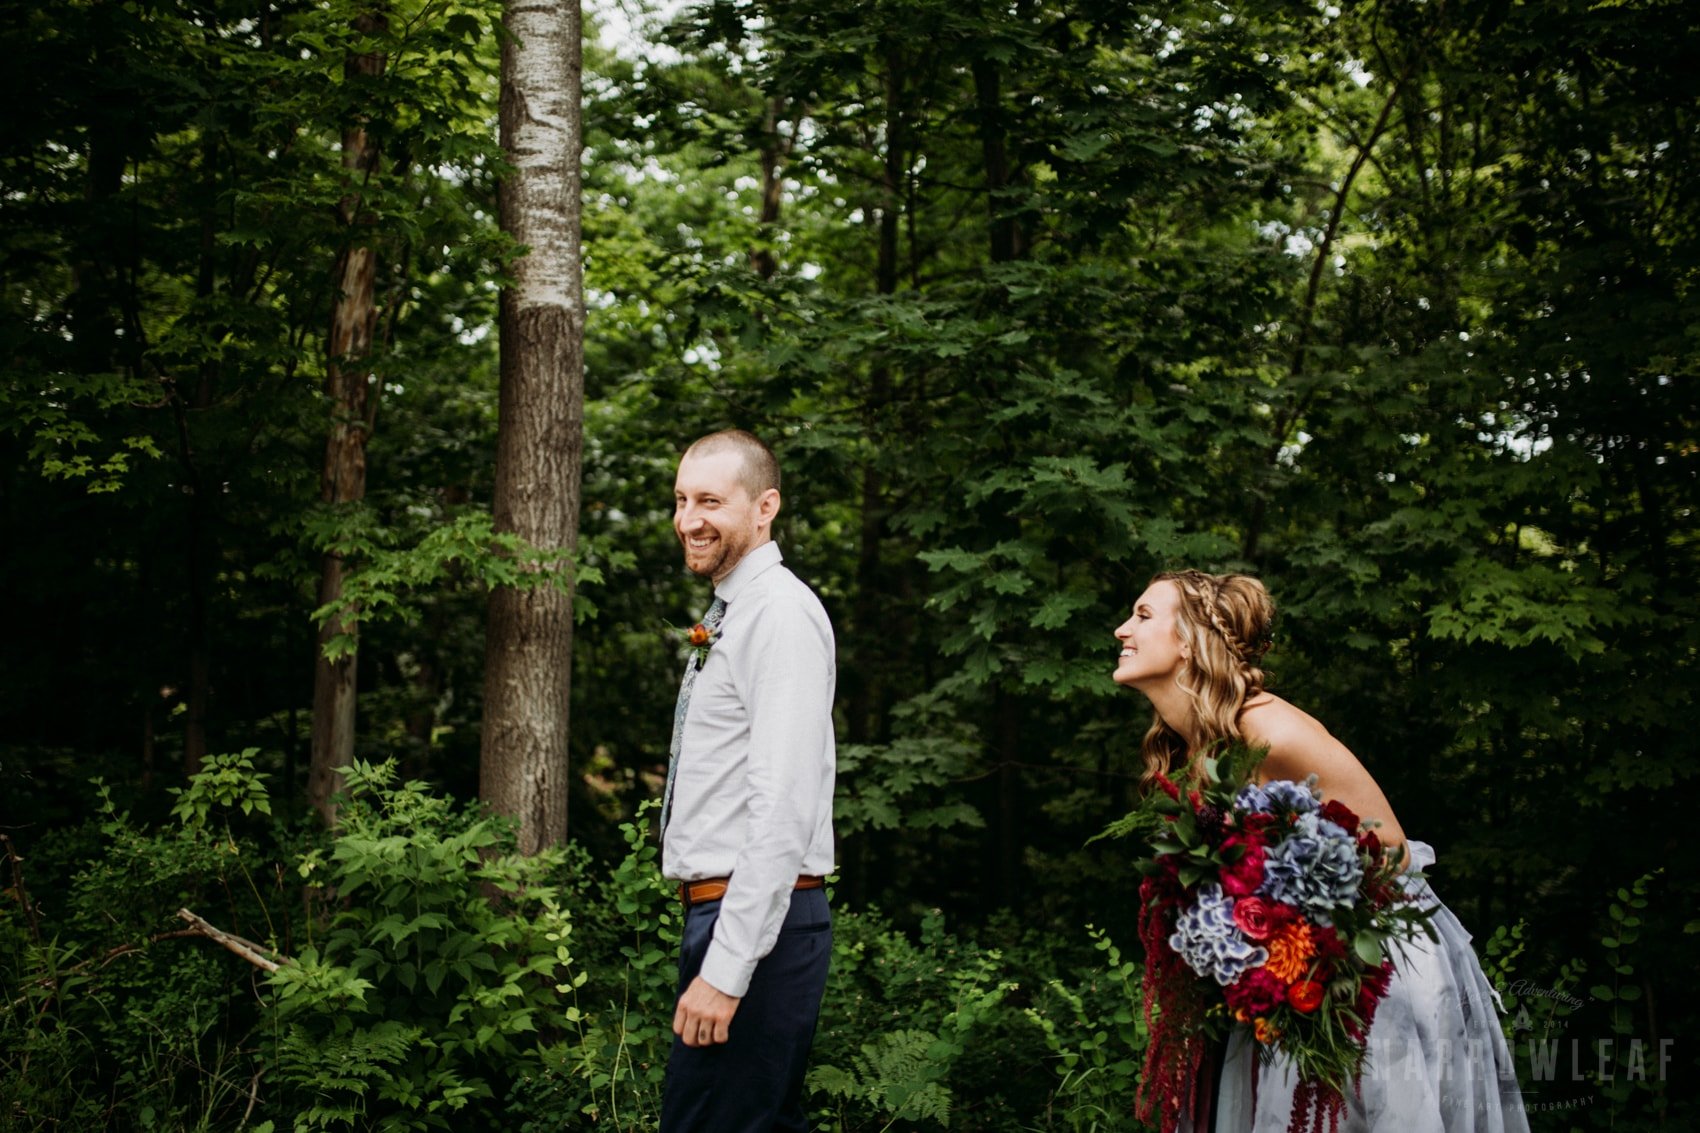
(714, 888)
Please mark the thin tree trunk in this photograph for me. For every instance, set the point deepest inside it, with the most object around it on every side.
(94, 326)
(354, 316)
(1004, 232)
(864, 709)
(774, 150)
(1307, 313)
(1008, 747)
(198, 545)
(523, 767)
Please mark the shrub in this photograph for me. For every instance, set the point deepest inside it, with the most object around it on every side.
(425, 993)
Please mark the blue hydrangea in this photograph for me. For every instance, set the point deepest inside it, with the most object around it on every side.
(1277, 795)
(1315, 867)
(1207, 939)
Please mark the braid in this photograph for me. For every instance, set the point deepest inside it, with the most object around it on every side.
(1214, 608)
(1247, 654)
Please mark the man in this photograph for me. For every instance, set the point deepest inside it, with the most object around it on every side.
(747, 816)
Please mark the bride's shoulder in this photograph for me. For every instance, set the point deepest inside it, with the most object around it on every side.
(1266, 719)
(1290, 733)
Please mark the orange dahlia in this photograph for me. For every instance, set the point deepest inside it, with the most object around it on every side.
(1289, 951)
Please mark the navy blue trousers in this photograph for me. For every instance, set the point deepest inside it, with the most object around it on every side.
(753, 1082)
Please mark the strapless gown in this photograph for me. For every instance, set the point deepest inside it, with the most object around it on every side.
(1438, 1061)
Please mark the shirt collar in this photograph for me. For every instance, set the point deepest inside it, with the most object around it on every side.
(749, 568)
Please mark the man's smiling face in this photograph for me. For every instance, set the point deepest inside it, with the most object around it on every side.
(713, 515)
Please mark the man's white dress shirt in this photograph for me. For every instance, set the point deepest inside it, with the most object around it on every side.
(752, 795)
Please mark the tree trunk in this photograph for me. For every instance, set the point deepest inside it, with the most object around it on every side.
(1010, 835)
(774, 151)
(1003, 230)
(198, 545)
(864, 711)
(528, 644)
(354, 316)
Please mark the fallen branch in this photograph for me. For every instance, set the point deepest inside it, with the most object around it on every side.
(246, 949)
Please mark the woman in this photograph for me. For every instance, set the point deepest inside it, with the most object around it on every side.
(1438, 1061)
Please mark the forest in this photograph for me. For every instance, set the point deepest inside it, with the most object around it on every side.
(1391, 304)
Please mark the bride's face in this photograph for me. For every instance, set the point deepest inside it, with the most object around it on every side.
(1151, 648)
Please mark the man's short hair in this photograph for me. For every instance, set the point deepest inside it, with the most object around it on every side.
(760, 469)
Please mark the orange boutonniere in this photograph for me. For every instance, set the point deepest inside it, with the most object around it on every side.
(701, 639)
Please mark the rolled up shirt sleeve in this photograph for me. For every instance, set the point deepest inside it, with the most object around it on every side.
(784, 671)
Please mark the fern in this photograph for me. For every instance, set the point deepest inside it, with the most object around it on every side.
(898, 1075)
(347, 1064)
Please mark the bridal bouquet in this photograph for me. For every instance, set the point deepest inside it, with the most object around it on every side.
(1262, 906)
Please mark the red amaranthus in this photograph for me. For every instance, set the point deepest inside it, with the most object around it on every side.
(1175, 1056)
(1173, 1002)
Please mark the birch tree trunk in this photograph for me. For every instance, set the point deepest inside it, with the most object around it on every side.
(354, 316)
(523, 766)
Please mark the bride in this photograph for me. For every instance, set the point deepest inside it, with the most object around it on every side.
(1438, 1060)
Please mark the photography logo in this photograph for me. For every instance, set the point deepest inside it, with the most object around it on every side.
(1558, 1070)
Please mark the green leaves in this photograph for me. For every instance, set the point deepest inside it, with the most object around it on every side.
(902, 785)
(1534, 603)
(229, 781)
(899, 1075)
(389, 582)
(419, 992)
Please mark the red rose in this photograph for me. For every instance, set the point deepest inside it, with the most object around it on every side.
(1252, 915)
(1256, 822)
(1242, 877)
(1340, 815)
(1255, 993)
(1305, 996)
(1370, 844)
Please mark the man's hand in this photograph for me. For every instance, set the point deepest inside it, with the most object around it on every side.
(704, 1014)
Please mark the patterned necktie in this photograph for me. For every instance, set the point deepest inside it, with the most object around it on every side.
(710, 622)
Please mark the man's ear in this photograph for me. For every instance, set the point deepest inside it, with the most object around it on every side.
(767, 507)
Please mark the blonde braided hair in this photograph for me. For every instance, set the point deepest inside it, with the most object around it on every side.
(1224, 623)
